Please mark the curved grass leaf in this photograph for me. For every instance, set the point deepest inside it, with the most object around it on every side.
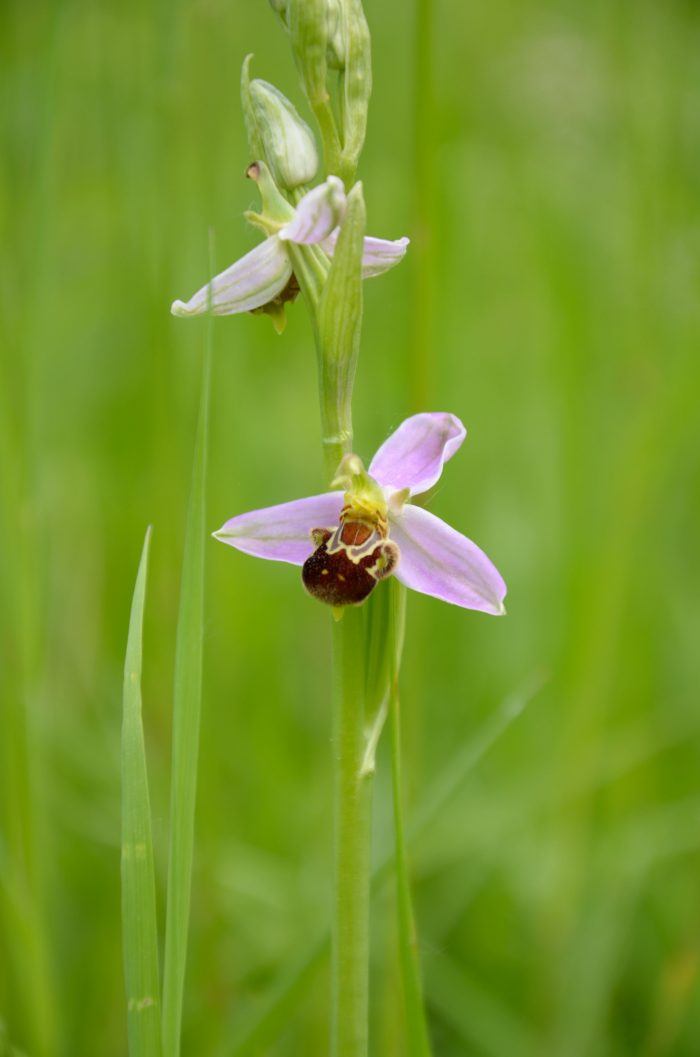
(139, 923)
(417, 1037)
(187, 704)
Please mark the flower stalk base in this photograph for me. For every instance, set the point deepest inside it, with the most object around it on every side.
(353, 802)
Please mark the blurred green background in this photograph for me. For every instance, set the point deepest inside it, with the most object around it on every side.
(547, 166)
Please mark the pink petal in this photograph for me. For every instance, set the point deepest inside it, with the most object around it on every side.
(378, 255)
(439, 561)
(248, 283)
(413, 456)
(282, 533)
(318, 213)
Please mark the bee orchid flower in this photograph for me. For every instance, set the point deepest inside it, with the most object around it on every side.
(263, 280)
(366, 529)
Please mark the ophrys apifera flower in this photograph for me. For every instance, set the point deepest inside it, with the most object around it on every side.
(263, 279)
(349, 539)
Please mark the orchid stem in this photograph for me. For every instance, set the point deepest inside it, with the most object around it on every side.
(353, 798)
(333, 294)
(336, 432)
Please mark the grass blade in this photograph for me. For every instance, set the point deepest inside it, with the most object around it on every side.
(451, 777)
(417, 1037)
(480, 1019)
(263, 1028)
(186, 716)
(255, 1032)
(139, 923)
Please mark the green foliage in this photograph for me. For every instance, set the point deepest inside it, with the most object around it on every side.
(556, 888)
(139, 921)
(187, 708)
(417, 1038)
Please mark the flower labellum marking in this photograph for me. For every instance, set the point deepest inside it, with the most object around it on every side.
(349, 560)
(373, 522)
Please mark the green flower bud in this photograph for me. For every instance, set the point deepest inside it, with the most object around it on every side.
(335, 29)
(277, 134)
(333, 34)
(308, 29)
(287, 139)
(357, 86)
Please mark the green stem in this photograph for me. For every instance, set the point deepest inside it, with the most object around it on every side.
(334, 298)
(417, 1039)
(334, 389)
(311, 270)
(139, 919)
(264, 1025)
(353, 800)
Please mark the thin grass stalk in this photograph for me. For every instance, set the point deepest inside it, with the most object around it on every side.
(353, 803)
(139, 920)
(417, 1037)
(187, 702)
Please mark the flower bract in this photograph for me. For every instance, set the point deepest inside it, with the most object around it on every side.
(261, 278)
(366, 529)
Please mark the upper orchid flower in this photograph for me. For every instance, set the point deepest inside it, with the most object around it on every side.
(263, 279)
(347, 540)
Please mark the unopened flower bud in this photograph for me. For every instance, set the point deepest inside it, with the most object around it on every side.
(335, 28)
(277, 133)
(333, 34)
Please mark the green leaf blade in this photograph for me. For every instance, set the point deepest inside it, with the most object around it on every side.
(139, 920)
(187, 705)
(417, 1036)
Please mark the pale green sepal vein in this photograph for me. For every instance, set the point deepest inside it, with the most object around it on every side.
(139, 920)
(187, 697)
